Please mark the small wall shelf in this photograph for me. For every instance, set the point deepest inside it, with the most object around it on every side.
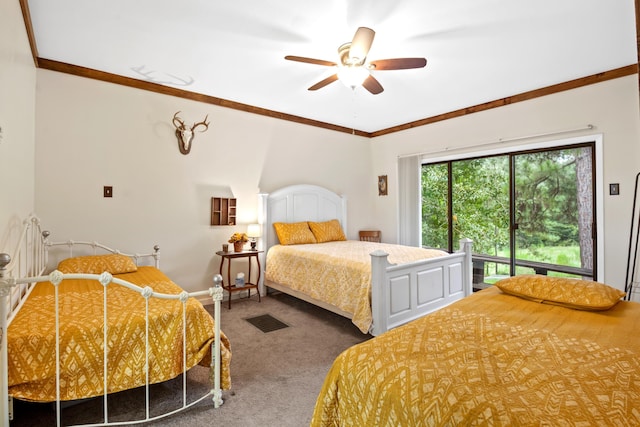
(223, 211)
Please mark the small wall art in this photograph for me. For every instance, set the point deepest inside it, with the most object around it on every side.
(382, 185)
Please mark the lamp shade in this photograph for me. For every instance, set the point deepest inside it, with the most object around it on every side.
(253, 230)
(352, 75)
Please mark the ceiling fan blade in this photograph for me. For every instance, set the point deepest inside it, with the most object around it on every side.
(360, 45)
(322, 83)
(398, 63)
(372, 85)
(310, 60)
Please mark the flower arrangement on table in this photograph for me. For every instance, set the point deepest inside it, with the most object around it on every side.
(238, 240)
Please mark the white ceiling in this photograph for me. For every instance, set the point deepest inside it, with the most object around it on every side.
(477, 50)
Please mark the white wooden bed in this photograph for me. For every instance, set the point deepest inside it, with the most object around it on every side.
(399, 293)
(26, 266)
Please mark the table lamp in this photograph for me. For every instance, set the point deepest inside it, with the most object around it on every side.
(253, 231)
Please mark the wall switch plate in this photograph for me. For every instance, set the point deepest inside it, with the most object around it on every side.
(107, 191)
(614, 189)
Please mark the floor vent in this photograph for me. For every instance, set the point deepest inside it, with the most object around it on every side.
(266, 323)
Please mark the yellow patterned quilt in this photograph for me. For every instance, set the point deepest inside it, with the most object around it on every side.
(31, 338)
(338, 273)
(492, 359)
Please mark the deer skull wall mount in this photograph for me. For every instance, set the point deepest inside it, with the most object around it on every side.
(185, 134)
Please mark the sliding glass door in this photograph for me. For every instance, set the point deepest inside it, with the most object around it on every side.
(554, 211)
(527, 212)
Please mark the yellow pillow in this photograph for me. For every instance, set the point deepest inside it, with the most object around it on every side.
(328, 231)
(293, 233)
(97, 264)
(572, 293)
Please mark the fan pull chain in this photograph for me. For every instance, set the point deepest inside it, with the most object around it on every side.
(355, 113)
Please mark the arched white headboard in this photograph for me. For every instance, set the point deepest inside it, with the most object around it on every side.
(297, 203)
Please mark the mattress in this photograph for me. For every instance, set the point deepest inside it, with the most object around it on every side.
(492, 359)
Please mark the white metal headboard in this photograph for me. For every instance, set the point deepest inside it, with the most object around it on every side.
(300, 203)
(77, 248)
(29, 254)
(29, 258)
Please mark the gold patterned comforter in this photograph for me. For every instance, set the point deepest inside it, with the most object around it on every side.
(492, 359)
(338, 273)
(31, 338)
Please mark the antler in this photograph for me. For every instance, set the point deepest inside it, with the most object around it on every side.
(179, 120)
(203, 123)
(180, 124)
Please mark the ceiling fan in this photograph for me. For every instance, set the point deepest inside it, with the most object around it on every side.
(353, 69)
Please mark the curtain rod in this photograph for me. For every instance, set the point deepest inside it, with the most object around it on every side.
(500, 141)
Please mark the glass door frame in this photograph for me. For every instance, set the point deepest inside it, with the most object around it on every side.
(574, 142)
(539, 268)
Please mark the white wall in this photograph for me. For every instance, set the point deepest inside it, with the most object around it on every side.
(17, 123)
(91, 134)
(611, 106)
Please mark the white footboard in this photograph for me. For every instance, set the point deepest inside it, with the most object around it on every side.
(147, 293)
(401, 293)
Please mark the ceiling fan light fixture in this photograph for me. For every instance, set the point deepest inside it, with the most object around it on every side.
(352, 75)
(354, 69)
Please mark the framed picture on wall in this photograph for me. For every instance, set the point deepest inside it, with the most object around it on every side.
(382, 185)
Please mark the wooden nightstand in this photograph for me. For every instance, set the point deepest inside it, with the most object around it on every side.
(227, 284)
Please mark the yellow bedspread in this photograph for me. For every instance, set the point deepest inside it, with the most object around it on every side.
(338, 273)
(494, 360)
(31, 338)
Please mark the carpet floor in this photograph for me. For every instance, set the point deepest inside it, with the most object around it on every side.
(275, 375)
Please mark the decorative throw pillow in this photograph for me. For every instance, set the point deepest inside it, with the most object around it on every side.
(328, 231)
(572, 293)
(97, 264)
(293, 233)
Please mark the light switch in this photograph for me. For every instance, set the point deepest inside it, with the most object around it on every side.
(108, 191)
(614, 189)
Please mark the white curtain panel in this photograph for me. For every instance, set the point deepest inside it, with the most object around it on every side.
(409, 201)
